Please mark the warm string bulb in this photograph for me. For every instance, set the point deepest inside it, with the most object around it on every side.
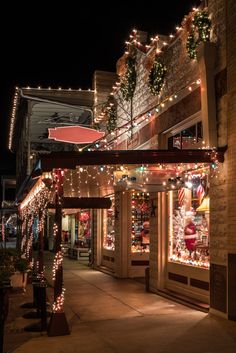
(57, 263)
(58, 304)
(163, 104)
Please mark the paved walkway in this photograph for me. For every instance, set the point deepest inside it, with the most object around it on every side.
(108, 315)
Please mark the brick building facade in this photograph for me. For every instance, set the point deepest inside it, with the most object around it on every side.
(198, 98)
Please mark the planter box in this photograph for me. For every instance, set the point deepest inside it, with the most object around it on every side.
(19, 280)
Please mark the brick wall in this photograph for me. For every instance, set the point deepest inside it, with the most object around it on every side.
(181, 71)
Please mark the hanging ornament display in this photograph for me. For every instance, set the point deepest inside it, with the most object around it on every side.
(200, 32)
(156, 76)
(128, 81)
(112, 119)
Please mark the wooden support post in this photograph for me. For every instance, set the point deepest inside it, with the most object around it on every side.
(58, 325)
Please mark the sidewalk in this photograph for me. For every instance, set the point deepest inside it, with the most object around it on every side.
(108, 315)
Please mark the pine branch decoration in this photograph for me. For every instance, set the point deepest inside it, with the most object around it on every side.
(157, 76)
(128, 81)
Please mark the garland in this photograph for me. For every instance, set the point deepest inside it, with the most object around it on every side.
(156, 76)
(128, 81)
(112, 119)
(201, 26)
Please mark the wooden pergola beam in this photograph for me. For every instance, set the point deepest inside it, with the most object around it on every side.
(84, 202)
(70, 160)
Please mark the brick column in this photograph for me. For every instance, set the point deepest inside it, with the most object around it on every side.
(206, 60)
(231, 153)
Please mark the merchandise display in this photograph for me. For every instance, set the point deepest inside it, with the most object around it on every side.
(109, 226)
(84, 229)
(189, 227)
(140, 240)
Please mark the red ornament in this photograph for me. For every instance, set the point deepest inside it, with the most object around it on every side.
(83, 216)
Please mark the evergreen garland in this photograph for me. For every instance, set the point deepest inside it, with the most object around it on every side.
(201, 26)
(112, 119)
(156, 76)
(202, 22)
(128, 81)
(191, 46)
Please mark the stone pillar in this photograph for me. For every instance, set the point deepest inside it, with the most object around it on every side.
(122, 231)
(231, 152)
(72, 229)
(206, 60)
(153, 242)
(97, 237)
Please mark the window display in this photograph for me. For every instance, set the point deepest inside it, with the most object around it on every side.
(140, 239)
(189, 225)
(109, 226)
(84, 229)
(190, 137)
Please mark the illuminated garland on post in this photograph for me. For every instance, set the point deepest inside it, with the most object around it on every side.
(128, 81)
(57, 262)
(58, 314)
(156, 76)
(58, 304)
(201, 26)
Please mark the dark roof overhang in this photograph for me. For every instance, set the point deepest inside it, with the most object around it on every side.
(70, 160)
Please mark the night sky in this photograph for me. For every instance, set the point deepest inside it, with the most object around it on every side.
(64, 43)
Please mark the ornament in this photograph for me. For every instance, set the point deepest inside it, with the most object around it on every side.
(83, 216)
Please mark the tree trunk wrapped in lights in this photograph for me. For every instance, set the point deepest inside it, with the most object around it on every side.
(58, 324)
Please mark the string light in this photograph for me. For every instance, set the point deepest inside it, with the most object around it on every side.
(58, 304)
(57, 263)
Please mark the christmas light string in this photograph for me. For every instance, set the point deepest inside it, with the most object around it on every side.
(146, 116)
(154, 44)
(58, 304)
(57, 262)
(58, 181)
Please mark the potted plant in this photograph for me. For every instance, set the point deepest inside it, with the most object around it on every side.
(19, 278)
(6, 267)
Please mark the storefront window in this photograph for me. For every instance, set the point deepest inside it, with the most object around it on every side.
(189, 138)
(109, 226)
(84, 229)
(189, 225)
(140, 240)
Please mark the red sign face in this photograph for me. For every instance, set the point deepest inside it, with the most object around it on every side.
(74, 134)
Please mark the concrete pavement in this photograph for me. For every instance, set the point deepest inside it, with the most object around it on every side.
(108, 315)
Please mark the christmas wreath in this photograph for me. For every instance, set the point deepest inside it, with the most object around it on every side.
(156, 76)
(201, 26)
(112, 119)
(128, 81)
